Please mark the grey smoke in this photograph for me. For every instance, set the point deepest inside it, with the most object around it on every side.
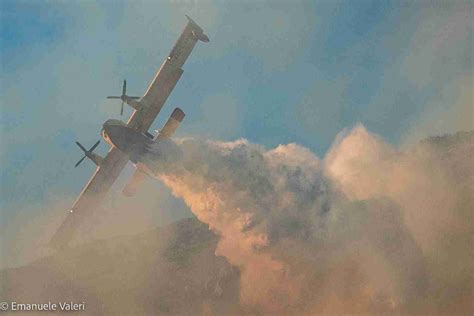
(369, 229)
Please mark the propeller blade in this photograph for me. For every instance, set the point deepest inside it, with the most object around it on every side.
(80, 146)
(124, 96)
(79, 162)
(95, 145)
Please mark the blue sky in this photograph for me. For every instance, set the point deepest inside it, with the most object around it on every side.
(274, 72)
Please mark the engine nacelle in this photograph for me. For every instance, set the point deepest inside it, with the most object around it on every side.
(132, 102)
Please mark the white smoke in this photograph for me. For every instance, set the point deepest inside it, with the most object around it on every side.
(369, 229)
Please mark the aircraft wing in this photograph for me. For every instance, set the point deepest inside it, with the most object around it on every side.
(166, 77)
(91, 196)
(141, 119)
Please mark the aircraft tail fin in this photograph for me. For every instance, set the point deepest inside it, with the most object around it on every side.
(172, 124)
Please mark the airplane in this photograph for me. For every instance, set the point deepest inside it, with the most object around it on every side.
(146, 109)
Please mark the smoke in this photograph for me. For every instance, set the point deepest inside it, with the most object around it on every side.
(369, 229)
(27, 237)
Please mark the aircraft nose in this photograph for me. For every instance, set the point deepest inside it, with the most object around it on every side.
(105, 128)
(106, 123)
(109, 124)
(107, 131)
(104, 133)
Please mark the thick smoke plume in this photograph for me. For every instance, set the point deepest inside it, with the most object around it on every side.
(369, 229)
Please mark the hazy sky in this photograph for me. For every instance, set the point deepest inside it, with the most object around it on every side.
(273, 72)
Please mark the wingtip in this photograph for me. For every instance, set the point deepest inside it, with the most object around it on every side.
(199, 32)
(204, 38)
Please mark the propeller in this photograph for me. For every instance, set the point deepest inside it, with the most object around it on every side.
(124, 96)
(86, 152)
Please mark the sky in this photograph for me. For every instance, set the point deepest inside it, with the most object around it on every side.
(274, 72)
